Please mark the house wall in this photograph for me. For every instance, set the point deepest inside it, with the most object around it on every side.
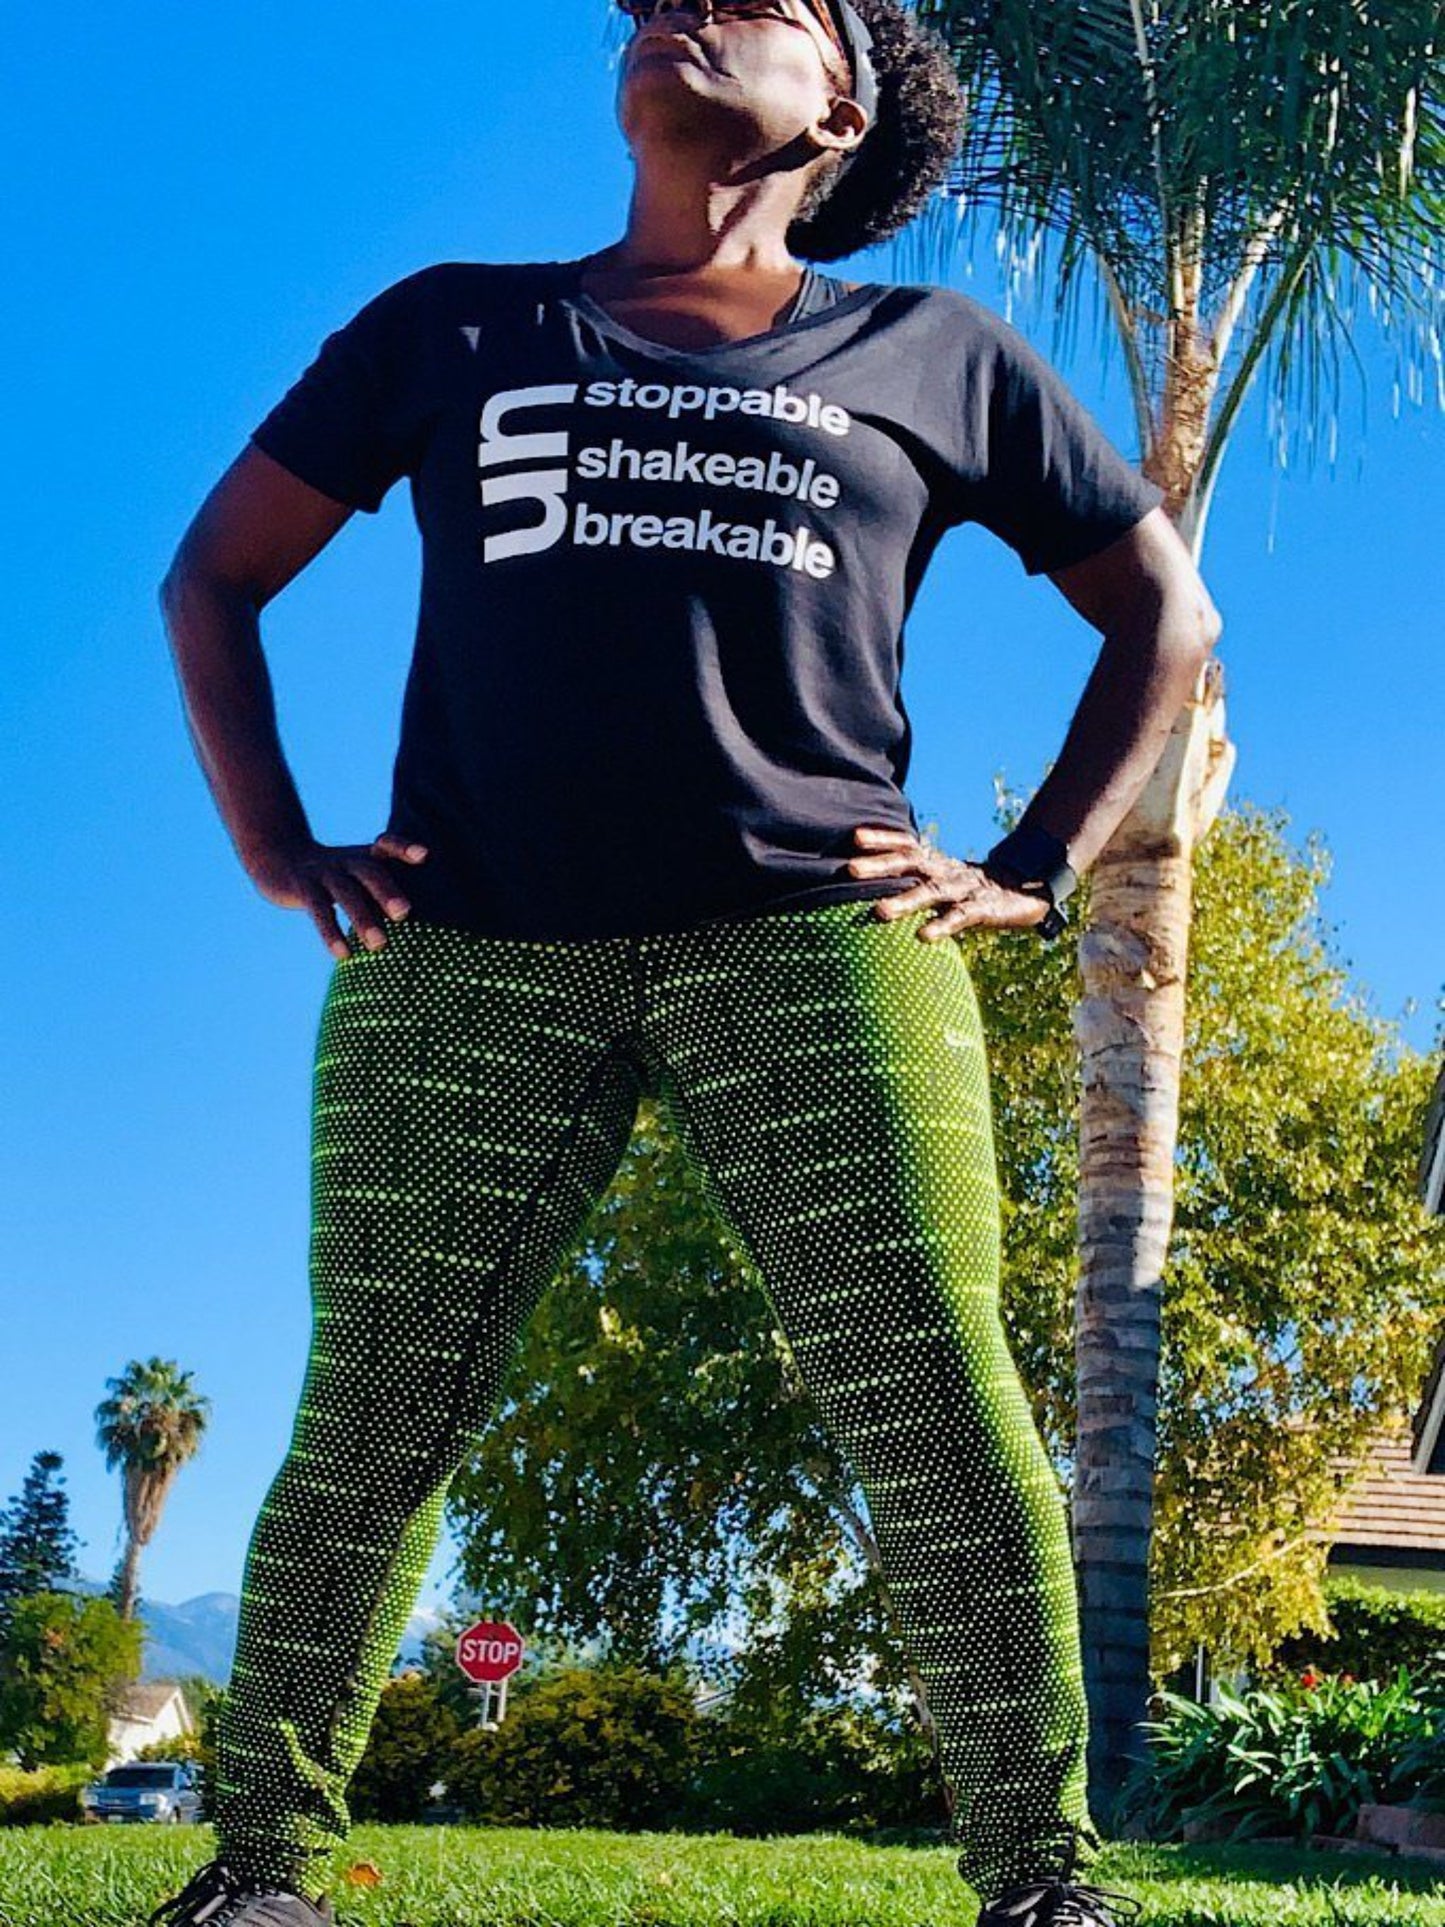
(127, 1737)
(1396, 1578)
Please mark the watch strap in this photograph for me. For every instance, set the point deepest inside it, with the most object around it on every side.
(1050, 925)
(1035, 860)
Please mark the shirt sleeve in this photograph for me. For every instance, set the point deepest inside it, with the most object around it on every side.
(1038, 470)
(344, 425)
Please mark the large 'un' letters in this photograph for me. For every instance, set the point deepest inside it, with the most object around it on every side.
(545, 485)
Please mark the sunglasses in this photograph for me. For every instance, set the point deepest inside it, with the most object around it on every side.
(640, 11)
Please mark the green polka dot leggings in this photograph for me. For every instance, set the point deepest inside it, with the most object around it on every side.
(824, 1070)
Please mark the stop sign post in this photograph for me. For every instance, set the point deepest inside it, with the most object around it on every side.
(489, 1652)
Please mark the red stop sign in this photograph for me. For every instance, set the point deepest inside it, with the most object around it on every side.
(490, 1650)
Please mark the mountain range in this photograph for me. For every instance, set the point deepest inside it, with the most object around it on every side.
(199, 1635)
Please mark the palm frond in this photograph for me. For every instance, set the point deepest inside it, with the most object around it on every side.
(1225, 164)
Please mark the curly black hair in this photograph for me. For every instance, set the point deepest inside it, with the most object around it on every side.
(905, 155)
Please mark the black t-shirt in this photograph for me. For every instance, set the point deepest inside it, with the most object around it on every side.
(655, 677)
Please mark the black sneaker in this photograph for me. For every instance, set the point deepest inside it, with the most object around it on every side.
(217, 1896)
(1057, 1903)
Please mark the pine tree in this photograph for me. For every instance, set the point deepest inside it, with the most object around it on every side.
(37, 1544)
(126, 1604)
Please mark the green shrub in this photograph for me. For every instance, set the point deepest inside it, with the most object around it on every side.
(1297, 1758)
(850, 1768)
(180, 1746)
(44, 1793)
(409, 1747)
(610, 1746)
(619, 1747)
(1377, 1631)
(1420, 1766)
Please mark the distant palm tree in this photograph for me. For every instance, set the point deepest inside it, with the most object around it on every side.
(149, 1426)
(1219, 171)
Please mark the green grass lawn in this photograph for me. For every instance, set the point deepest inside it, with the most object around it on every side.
(493, 1877)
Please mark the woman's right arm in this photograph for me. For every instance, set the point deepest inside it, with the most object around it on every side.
(259, 526)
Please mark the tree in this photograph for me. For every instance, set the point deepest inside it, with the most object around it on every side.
(657, 1478)
(198, 1691)
(1305, 1287)
(439, 1662)
(149, 1426)
(37, 1544)
(64, 1655)
(1217, 168)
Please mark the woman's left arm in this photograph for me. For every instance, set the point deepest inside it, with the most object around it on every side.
(1159, 624)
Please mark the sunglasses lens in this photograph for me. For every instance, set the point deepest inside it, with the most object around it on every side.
(641, 11)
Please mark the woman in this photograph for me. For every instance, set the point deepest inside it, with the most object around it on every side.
(648, 834)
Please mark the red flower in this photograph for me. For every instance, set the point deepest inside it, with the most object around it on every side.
(1309, 1677)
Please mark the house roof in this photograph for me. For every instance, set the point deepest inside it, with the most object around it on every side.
(1395, 1507)
(147, 1699)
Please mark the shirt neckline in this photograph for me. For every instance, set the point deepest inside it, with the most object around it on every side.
(572, 292)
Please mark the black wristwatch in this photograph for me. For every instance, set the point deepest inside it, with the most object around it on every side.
(1033, 860)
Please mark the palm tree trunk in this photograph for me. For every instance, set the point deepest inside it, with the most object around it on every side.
(129, 1577)
(1129, 1024)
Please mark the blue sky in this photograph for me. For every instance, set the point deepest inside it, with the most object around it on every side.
(198, 196)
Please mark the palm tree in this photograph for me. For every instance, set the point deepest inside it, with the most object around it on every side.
(1220, 172)
(151, 1423)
